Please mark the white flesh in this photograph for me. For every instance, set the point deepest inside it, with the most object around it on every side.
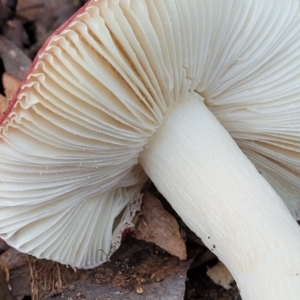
(221, 196)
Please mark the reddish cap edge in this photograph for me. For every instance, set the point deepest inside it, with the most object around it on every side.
(46, 43)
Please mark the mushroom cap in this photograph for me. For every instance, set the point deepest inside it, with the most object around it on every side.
(101, 86)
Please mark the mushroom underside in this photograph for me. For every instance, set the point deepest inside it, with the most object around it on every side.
(101, 91)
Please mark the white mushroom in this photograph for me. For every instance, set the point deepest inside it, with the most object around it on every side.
(186, 90)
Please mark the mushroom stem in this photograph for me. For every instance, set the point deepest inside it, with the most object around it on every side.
(221, 196)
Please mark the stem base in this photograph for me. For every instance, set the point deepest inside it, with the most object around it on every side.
(221, 196)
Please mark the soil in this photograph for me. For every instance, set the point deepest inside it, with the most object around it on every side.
(138, 268)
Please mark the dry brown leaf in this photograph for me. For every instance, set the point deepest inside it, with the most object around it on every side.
(7, 8)
(15, 61)
(14, 275)
(14, 259)
(47, 17)
(220, 275)
(19, 280)
(154, 224)
(3, 246)
(14, 31)
(4, 282)
(137, 270)
(10, 84)
(3, 104)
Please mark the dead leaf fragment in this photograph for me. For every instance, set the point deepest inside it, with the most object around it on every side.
(10, 84)
(14, 259)
(137, 270)
(3, 104)
(14, 275)
(3, 246)
(4, 282)
(7, 8)
(45, 17)
(15, 60)
(20, 283)
(154, 224)
(220, 275)
(14, 31)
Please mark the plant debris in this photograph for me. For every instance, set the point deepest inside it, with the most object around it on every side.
(137, 268)
(154, 224)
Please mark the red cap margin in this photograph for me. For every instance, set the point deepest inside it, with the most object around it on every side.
(55, 33)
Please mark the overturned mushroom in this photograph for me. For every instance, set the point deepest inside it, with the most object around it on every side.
(181, 90)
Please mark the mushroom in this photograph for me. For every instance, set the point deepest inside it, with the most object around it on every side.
(202, 96)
